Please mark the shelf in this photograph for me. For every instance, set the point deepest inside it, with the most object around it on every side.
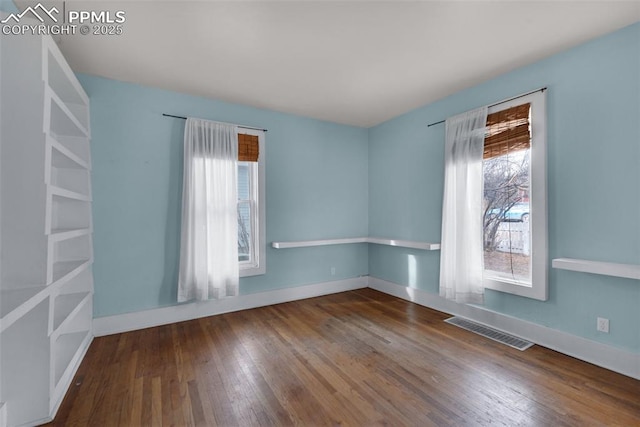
(68, 194)
(15, 303)
(61, 120)
(375, 240)
(68, 214)
(405, 243)
(60, 78)
(62, 269)
(65, 306)
(65, 348)
(629, 271)
(72, 249)
(68, 233)
(63, 157)
(75, 147)
(74, 180)
(71, 303)
(80, 281)
(71, 349)
(307, 243)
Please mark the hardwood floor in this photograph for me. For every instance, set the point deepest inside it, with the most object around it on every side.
(354, 358)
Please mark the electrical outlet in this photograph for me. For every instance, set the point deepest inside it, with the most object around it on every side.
(603, 325)
(333, 271)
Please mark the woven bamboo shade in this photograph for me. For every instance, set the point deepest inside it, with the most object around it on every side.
(507, 130)
(248, 148)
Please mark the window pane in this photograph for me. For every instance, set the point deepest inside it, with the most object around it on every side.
(244, 231)
(507, 231)
(243, 181)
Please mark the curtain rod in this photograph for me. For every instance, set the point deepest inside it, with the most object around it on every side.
(542, 89)
(184, 118)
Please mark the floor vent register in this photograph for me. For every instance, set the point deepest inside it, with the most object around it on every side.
(494, 334)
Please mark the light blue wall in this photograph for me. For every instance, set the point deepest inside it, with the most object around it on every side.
(316, 188)
(593, 185)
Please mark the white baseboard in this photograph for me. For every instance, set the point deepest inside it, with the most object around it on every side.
(612, 358)
(177, 313)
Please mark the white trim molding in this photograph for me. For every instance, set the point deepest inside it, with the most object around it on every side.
(178, 313)
(628, 271)
(538, 285)
(258, 265)
(375, 240)
(612, 358)
(326, 242)
(404, 243)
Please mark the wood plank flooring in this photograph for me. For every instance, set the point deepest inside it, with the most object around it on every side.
(354, 358)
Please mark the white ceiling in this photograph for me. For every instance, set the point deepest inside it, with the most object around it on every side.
(358, 62)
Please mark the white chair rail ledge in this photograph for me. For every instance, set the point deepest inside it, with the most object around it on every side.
(628, 271)
(375, 240)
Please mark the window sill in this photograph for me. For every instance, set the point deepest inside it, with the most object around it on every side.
(494, 276)
(252, 271)
(515, 288)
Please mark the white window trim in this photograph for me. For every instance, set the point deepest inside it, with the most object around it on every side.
(539, 288)
(259, 264)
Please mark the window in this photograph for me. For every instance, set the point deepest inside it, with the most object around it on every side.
(246, 211)
(514, 202)
(251, 203)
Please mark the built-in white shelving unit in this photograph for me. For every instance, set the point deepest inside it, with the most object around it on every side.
(46, 282)
(375, 240)
(629, 271)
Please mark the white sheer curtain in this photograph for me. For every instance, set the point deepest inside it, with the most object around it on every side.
(461, 260)
(209, 241)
